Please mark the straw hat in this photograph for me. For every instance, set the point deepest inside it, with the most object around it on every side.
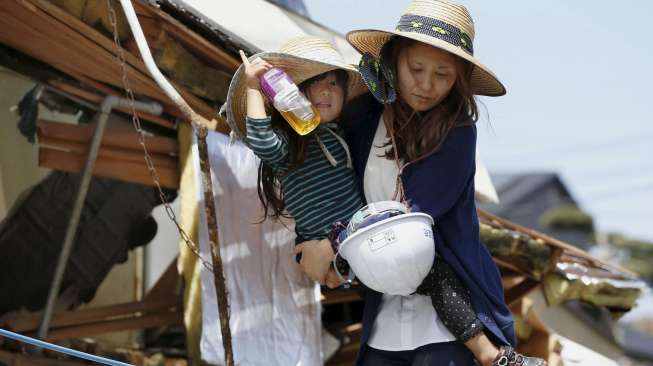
(302, 58)
(438, 23)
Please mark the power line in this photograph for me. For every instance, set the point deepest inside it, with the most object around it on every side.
(609, 194)
(623, 142)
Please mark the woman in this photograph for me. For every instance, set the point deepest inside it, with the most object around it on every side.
(426, 75)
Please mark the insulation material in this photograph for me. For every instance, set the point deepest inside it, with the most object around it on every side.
(564, 285)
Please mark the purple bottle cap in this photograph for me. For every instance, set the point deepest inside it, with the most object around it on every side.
(273, 81)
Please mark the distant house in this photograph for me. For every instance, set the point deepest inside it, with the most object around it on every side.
(541, 201)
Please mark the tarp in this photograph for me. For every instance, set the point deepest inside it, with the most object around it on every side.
(275, 309)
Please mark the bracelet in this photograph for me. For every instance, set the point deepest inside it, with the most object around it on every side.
(334, 235)
(337, 234)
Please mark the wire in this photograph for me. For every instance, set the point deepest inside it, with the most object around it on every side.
(56, 348)
(574, 149)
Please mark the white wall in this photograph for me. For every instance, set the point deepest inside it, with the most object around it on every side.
(163, 248)
(18, 158)
(3, 207)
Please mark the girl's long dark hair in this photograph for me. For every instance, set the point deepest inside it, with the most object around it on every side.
(417, 134)
(270, 193)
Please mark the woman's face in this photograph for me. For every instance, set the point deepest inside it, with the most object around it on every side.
(426, 75)
(327, 96)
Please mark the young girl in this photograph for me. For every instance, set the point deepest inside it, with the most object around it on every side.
(311, 177)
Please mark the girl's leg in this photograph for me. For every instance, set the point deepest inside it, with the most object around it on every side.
(453, 304)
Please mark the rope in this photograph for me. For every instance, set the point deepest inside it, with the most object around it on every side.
(201, 130)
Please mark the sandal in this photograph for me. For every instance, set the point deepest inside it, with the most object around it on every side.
(509, 357)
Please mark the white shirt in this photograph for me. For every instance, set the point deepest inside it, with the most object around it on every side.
(404, 322)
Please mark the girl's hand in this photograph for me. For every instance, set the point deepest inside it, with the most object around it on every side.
(254, 70)
(316, 258)
(332, 279)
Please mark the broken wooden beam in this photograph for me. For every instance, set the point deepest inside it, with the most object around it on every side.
(118, 138)
(339, 296)
(105, 167)
(133, 156)
(78, 317)
(152, 320)
(37, 27)
(518, 291)
(97, 99)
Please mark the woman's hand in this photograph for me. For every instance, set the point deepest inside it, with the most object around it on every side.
(316, 258)
(254, 70)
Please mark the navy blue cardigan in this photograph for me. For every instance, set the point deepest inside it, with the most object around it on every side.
(442, 186)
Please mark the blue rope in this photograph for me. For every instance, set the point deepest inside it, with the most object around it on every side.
(54, 347)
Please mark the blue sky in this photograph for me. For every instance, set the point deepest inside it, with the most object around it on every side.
(579, 78)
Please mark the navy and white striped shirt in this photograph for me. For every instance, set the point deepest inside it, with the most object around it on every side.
(316, 193)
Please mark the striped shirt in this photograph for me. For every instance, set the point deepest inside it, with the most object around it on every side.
(316, 193)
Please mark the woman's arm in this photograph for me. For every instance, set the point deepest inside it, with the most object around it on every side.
(437, 183)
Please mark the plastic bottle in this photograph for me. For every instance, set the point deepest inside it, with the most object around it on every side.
(289, 101)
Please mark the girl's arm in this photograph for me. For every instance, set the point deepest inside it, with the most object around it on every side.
(255, 103)
(267, 144)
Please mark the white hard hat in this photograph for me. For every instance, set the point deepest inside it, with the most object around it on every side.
(392, 256)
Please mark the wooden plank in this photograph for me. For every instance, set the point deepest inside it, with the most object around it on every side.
(167, 284)
(509, 266)
(123, 139)
(42, 35)
(97, 100)
(199, 45)
(86, 30)
(523, 288)
(93, 315)
(75, 91)
(340, 296)
(47, 39)
(108, 152)
(40, 30)
(181, 65)
(110, 168)
(142, 322)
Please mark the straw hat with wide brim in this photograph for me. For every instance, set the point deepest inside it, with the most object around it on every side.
(302, 58)
(438, 23)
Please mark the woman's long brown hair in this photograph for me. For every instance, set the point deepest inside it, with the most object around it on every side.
(418, 134)
(270, 193)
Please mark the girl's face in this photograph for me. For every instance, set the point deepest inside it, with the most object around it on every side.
(327, 96)
(426, 75)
